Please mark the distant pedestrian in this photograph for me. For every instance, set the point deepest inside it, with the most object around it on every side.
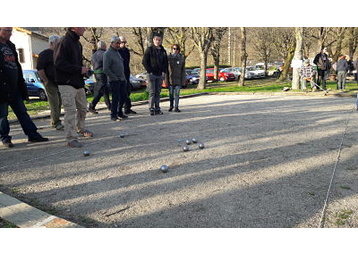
(307, 73)
(323, 65)
(46, 70)
(101, 87)
(69, 73)
(342, 69)
(124, 52)
(155, 62)
(113, 67)
(13, 91)
(175, 77)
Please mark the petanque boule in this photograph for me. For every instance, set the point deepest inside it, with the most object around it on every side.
(194, 140)
(188, 142)
(201, 146)
(164, 168)
(86, 153)
(121, 135)
(186, 148)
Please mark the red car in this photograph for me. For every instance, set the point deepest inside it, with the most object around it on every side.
(223, 76)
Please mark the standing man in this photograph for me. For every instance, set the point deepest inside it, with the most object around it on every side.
(13, 91)
(113, 67)
(323, 65)
(69, 72)
(155, 61)
(46, 70)
(124, 52)
(342, 69)
(101, 86)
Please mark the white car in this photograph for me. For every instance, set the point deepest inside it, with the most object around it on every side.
(248, 74)
(259, 73)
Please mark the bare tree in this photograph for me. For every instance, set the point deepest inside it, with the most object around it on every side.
(262, 43)
(243, 56)
(202, 38)
(218, 34)
(297, 57)
(321, 35)
(352, 41)
(92, 36)
(338, 35)
(180, 35)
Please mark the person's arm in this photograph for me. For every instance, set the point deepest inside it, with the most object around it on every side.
(107, 64)
(43, 76)
(146, 61)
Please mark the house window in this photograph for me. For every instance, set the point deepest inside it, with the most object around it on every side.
(21, 55)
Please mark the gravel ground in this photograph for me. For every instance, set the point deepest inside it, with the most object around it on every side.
(267, 163)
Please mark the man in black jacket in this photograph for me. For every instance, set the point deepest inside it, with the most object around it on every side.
(323, 65)
(69, 72)
(124, 52)
(13, 91)
(155, 61)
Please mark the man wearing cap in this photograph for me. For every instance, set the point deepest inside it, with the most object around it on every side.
(307, 73)
(46, 70)
(113, 67)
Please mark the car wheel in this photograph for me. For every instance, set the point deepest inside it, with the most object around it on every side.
(42, 95)
(222, 79)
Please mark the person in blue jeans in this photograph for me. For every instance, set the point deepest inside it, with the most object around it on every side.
(13, 91)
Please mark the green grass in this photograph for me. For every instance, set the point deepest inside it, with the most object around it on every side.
(35, 107)
(6, 224)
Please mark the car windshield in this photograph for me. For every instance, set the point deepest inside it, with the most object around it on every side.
(38, 76)
(209, 70)
(249, 68)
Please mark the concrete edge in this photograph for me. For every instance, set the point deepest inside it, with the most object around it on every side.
(26, 216)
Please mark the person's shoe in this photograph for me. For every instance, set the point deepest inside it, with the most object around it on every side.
(85, 133)
(7, 143)
(59, 127)
(114, 119)
(74, 144)
(130, 112)
(159, 112)
(38, 139)
(177, 110)
(170, 109)
(91, 110)
(123, 117)
(152, 113)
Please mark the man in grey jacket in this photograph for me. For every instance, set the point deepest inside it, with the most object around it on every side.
(342, 68)
(114, 69)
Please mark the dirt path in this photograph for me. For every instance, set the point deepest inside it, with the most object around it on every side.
(267, 162)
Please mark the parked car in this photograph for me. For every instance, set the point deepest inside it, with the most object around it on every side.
(232, 70)
(137, 83)
(222, 76)
(258, 73)
(89, 84)
(34, 84)
(192, 77)
(248, 74)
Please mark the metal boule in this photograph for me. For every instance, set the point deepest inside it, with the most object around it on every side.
(188, 141)
(121, 135)
(86, 153)
(164, 168)
(201, 146)
(186, 148)
(194, 140)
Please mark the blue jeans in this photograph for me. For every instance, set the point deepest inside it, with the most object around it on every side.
(119, 96)
(18, 106)
(154, 88)
(174, 94)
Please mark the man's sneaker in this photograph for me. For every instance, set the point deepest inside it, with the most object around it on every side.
(114, 119)
(177, 110)
(75, 144)
(170, 109)
(159, 112)
(123, 117)
(91, 110)
(59, 127)
(151, 113)
(130, 112)
(7, 143)
(38, 139)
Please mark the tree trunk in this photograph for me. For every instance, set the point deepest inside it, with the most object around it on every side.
(288, 60)
(216, 68)
(243, 57)
(297, 56)
(203, 60)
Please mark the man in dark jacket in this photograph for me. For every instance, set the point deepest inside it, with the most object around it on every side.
(101, 87)
(46, 70)
(69, 72)
(323, 65)
(13, 91)
(155, 61)
(124, 52)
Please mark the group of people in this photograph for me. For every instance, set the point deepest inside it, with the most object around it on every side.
(323, 66)
(62, 72)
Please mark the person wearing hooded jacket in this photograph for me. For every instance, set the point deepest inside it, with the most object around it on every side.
(175, 77)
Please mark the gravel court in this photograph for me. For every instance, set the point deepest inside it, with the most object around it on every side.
(267, 163)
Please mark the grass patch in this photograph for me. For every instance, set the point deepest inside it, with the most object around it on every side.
(342, 217)
(345, 187)
(270, 84)
(6, 224)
